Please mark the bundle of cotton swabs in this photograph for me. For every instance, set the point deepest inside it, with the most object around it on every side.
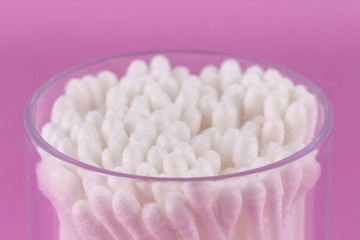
(163, 122)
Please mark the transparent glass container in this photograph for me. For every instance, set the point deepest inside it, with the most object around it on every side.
(70, 200)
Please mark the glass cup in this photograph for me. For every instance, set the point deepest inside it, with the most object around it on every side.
(68, 199)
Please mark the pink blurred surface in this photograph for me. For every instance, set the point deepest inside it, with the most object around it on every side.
(318, 39)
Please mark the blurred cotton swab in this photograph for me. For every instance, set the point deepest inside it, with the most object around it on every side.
(254, 194)
(100, 200)
(180, 216)
(229, 204)
(156, 223)
(200, 196)
(87, 224)
(127, 211)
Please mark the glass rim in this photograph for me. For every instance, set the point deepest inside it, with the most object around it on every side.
(321, 136)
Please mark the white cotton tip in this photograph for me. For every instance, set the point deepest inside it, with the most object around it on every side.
(282, 154)
(170, 86)
(180, 73)
(205, 89)
(74, 132)
(185, 150)
(141, 139)
(94, 90)
(100, 200)
(273, 131)
(47, 130)
(226, 147)
(116, 183)
(86, 223)
(65, 186)
(200, 196)
(191, 82)
(274, 187)
(146, 169)
(249, 80)
(192, 117)
(160, 62)
(149, 128)
(229, 170)
(187, 98)
(259, 120)
(173, 111)
(87, 130)
(180, 216)
(294, 147)
(132, 157)
(140, 104)
(209, 75)
(159, 99)
(254, 100)
(167, 140)
(155, 157)
(208, 71)
(111, 158)
(291, 176)
(60, 106)
(131, 120)
(215, 135)
(200, 144)
(127, 211)
(230, 73)
(275, 105)
(228, 205)
(161, 120)
(214, 159)
(253, 127)
(67, 147)
(89, 150)
(77, 91)
(56, 137)
(137, 68)
(207, 104)
(271, 151)
(254, 196)
(228, 80)
(175, 165)
(271, 74)
(295, 123)
(225, 115)
(150, 87)
(254, 70)
(110, 124)
(119, 111)
(311, 172)
(156, 223)
(259, 162)
(95, 118)
(116, 96)
(297, 92)
(107, 80)
(181, 130)
(204, 166)
(91, 180)
(160, 189)
(70, 118)
(246, 149)
(132, 86)
(234, 93)
(118, 138)
(311, 105)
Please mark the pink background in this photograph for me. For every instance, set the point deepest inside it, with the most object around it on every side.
(318, 39)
